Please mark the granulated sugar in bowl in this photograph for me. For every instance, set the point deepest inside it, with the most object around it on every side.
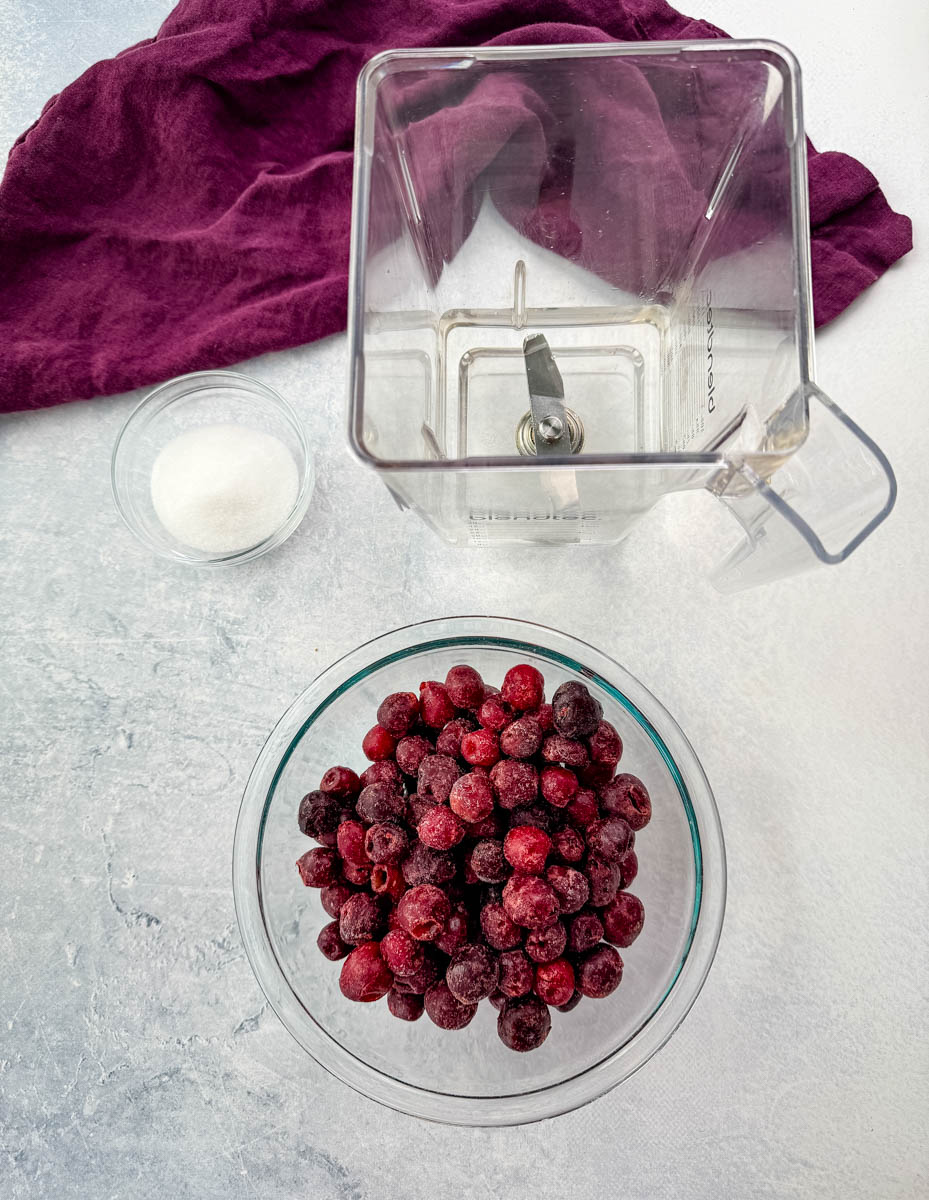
(223, 488)
(211, 469)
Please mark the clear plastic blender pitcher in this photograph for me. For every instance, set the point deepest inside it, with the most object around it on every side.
(580, 280)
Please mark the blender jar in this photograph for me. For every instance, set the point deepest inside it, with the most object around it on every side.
(580, 279)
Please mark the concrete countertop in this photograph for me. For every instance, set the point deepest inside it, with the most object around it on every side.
(138, 1058)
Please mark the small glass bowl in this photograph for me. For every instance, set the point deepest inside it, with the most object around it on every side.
(190, 401)
(470, 1077)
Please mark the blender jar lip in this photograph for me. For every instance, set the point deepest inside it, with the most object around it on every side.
(657, 1026)
(461, 57)
(389, 62)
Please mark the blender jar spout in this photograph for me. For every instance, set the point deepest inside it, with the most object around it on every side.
(816, 504)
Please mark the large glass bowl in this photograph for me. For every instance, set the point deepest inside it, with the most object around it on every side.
(470, 1077)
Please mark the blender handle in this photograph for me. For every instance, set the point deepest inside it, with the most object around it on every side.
(829, 494)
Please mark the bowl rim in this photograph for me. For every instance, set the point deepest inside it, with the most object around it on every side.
(183, 387)
(706, 833)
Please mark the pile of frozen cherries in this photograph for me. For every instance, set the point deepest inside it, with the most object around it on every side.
(484, 853)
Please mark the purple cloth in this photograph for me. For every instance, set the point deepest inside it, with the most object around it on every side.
(187, 204)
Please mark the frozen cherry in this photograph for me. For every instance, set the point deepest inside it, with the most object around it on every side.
(423, 979)
(629, 868)
(497, 999)
(595, 775)
(424, 865)
(435, 705)
(437, 773)
(359, 876)
(364, 974)
(411, 751)
(319, 813)
(514, 783)
(472, 797)
(603, 878)
(526, 849)
(545, 945)
(361, 919)
(498, 929)
(319, 867)
(423, 911)
(517, 974)
(402, 953)
(521, 738)
(340, 782)
(440, 828)
(488, 861)
(380, 802)
(386, 842)
(599, 972)
(334, 896)
(605, 745)
(523, 687)
(530, 901)
(491, 826)
(454, 934)
(570, 886)
(385, 771)
(583, 809)
(472, 973)
(387, 881)
(575, 713)
(480, 748)
(543, 717)
(330, 943)
(449, 740)
(554, 981)
(350, 841)
(398, 713)
(568, 845)
(465, 687)
(524, 1023)
(417, 806)
(445, 1011)
(571, 1004)
(558, 749)
(559, 786)
(539, 815)
(378, 744)
(406, 1006)
(609, 838)
(623, 919)
(494, 714)
(626, 796)
(584, 931)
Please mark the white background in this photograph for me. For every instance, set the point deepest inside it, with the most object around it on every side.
(137, 1058)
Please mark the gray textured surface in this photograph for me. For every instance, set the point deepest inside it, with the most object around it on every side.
(137, 1058)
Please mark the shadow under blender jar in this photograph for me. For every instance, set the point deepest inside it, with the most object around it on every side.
(580, 280)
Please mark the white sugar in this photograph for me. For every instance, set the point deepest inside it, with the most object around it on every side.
(223, 488)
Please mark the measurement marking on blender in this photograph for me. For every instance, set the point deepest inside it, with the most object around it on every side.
(724, 178)
(519, 295)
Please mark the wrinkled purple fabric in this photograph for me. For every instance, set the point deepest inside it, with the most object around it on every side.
(187, 204)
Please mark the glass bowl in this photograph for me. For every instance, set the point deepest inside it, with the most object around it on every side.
(470, 1077)
(188, 402)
